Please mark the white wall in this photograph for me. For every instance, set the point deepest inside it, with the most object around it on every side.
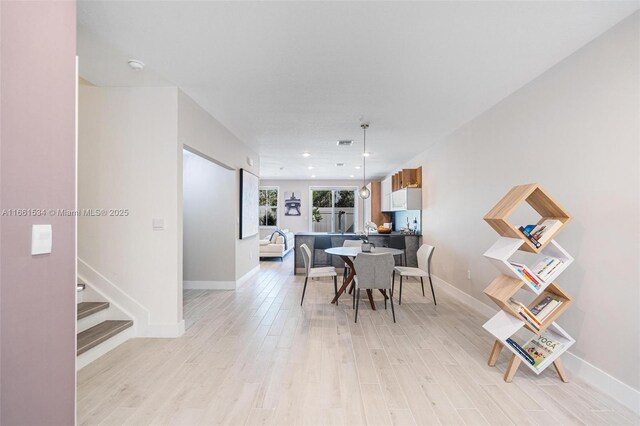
(576, 131)
(208, 194)
(131, 157)
(128, 159)
(204, 134)
(301, 188)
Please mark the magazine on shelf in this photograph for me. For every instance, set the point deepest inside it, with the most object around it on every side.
(540, 348)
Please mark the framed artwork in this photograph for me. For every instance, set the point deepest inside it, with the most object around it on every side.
(248, 204)
(292, 204)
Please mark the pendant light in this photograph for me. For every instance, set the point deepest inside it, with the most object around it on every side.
(364, 192)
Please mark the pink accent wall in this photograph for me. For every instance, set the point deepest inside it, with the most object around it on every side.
(37, 170)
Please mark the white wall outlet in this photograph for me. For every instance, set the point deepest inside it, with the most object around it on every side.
(468, 274)
(157, 224)
(41, 239)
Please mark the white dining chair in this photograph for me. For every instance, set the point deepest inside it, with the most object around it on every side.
(324, 272)
(425, 253)
(374, 271)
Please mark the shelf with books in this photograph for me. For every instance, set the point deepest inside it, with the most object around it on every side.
(536, 316)
(542, 270)
(537, 275)
(538, 351)
(534, 195)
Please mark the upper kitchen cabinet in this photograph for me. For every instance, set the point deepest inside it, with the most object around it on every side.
(406, 199)
(402, 191)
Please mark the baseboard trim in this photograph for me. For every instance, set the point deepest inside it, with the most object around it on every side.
(621, 392)
(243, 279)
(220, 285)
(209, 285)
(587, 372)
(465, 298)
(165, 330)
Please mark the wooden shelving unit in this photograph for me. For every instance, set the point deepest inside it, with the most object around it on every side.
(407, 178)
(538, 199)
(501, 252)
(507, 322)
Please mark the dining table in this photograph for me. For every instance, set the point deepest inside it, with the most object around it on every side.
(348, 254)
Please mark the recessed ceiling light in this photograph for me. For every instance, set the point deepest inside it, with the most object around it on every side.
(339, 164)
(344, 143)
(351, 176)
(310, 167)
(358, 167)
(306, 154)
(313, 176)
(366, 154)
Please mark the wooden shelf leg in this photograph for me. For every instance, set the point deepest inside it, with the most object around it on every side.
(560, 370)
(512, 368)
(495, 353)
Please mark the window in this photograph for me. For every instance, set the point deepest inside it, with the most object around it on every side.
(333, 210)
(268, 202)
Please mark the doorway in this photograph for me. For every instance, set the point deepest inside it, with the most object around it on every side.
(208, 211)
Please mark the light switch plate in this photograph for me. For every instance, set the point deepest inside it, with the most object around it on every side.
(41, 239)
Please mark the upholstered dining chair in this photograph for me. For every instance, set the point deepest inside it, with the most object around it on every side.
(324, 272)
(425, 253)
(374, 271)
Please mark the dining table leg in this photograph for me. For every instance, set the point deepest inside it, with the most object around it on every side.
(370, 295)
(345, 284)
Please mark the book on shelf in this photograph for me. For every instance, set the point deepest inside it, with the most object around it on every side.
(525, 313)
(544, 231)
(539, 348)
(528, 276)
(541, 233)
(526, 231)
(546, 267)
(523, 353)
(546, 306)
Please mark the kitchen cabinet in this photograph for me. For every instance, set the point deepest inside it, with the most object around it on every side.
(406, 199)
(376, 214)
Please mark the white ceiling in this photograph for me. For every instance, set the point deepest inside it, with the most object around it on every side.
(289, 77)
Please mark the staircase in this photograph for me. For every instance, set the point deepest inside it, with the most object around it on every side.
(101, 326)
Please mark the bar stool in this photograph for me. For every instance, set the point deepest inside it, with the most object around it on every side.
(398, 242)
(322, 243)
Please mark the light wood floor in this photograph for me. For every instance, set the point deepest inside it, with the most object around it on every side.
(254, 356)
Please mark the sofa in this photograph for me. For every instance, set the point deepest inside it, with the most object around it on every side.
(276, 245)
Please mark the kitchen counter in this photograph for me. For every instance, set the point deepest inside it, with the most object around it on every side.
(412, 242)
(351, 234)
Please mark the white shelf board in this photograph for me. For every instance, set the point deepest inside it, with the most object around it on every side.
(503, 249)
(503, 325)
